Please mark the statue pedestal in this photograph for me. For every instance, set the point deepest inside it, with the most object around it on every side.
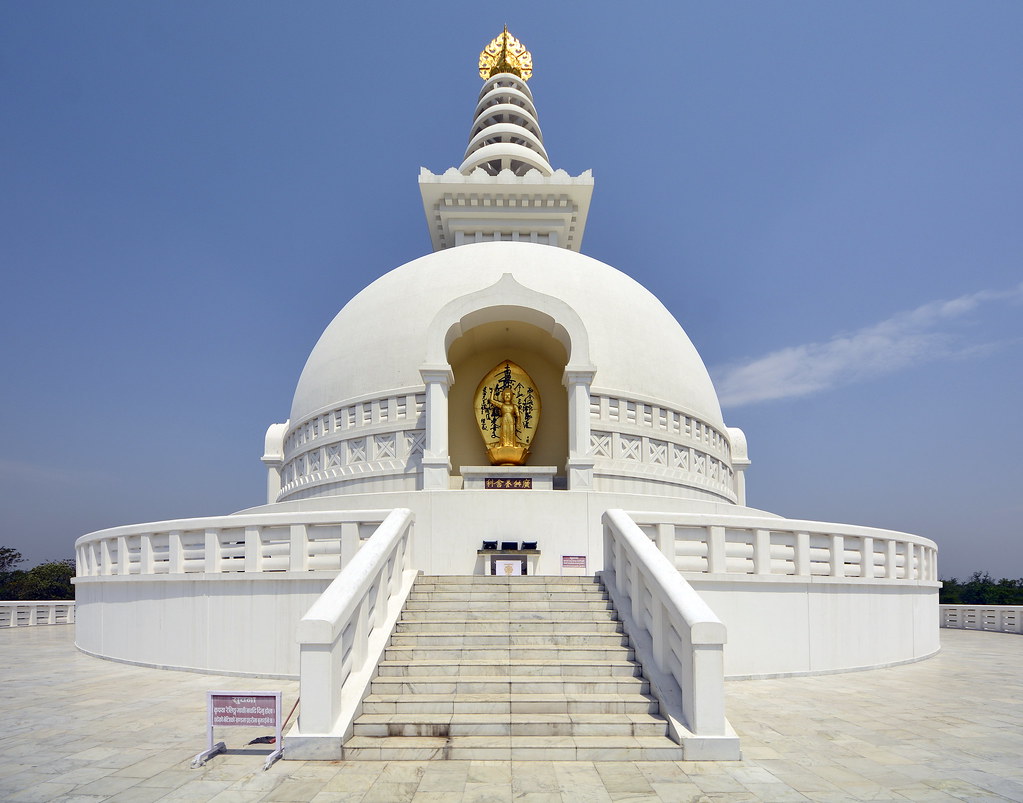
(508, 478)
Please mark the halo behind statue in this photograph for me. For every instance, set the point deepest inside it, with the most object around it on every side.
(507, 406)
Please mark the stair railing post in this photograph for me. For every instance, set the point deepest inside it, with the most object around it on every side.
(635, 592)
(658, 633)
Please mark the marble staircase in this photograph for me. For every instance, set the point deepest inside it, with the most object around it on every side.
(509, 668)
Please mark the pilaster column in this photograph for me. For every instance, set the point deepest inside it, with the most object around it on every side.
(436, 460)
(739, 467)
(740, 462)
(273, 479)
(273, 459)
(580, 461)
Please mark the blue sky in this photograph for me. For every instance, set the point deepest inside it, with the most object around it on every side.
(827, 196)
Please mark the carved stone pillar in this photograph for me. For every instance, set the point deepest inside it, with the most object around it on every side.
(436, 460)
(580, 461)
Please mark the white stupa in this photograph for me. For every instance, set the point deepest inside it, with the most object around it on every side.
(384, 426)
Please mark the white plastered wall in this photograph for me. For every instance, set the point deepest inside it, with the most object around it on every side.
(788, 626)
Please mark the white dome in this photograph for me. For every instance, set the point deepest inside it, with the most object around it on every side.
(381, 339)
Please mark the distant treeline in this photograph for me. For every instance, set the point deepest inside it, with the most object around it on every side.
(47, 581)
(981, 589)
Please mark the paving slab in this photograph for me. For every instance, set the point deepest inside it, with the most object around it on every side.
(948, 728)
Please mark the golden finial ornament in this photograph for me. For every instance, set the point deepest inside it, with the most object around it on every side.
(506, 54)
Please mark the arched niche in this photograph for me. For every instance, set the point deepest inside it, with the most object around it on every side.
(478, 349)
(495, 323)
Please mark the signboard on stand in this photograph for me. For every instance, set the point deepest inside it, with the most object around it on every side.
(573, 565)
(242, 709)
(509, 567)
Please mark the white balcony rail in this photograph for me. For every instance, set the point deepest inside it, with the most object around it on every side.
(677, 637)
(998, 618)
(343, 635)
(31, 613)
(764, 545)
(247, 542)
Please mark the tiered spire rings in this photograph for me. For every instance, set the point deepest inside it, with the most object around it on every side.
(505, 133)
(505, 188)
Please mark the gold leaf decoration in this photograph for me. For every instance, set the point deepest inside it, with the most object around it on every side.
(506, 54)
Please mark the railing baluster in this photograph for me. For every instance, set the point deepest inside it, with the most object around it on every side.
(175, 553)
(213, 557)
(666, 541)
(298, 559)
(716, 550)
(253, 549)
(123, 558)
(837, 561)
(146, 558)
(802, 554)
(762, 552)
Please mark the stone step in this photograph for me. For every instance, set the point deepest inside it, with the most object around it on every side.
(509, 684)
(511, 748)
(512, 605)
(483, 639)
(400, 705)
(497, 596)
(505, 654)
(506, 668)
(529, 615)
(464, 625)
(586, 581)
(552, 666)
(449, 725)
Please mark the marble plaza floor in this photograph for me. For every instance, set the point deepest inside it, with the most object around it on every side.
(76, 728)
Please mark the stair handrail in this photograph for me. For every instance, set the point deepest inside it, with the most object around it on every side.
(677, 631)
(343, 634)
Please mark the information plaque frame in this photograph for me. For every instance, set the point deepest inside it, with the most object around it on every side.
(242, 709)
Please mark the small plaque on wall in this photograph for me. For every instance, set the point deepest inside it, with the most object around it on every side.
(520, 483)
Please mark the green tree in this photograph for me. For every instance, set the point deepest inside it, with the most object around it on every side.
(981, 589)
(47, 581)
(951, 592)
(9, 558)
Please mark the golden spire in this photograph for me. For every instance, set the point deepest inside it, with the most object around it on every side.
(506, 54)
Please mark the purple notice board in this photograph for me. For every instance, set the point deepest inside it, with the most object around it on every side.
(245, 709)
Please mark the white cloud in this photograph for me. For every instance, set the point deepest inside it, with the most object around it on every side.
(908, 338)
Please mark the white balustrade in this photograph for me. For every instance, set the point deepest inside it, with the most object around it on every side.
(31, 613)
(997, 618)
(764, 545)
(250, 543)
(677, 637)
(343, 635)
